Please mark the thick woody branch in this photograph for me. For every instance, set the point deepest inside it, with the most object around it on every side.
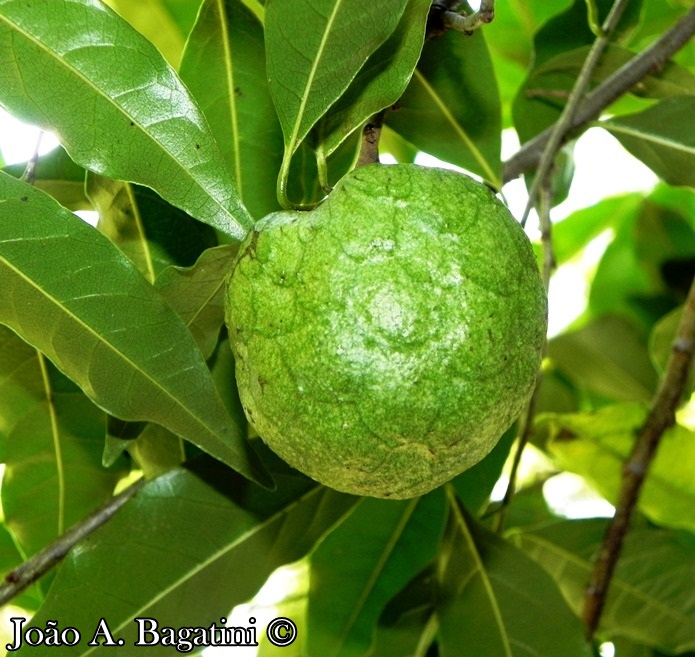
(661, 417)
(624, 79)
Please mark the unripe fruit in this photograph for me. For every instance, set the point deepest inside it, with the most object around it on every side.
(385, 340)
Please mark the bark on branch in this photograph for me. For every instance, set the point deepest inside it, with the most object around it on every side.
(33, 569)
(624, 79)
(661, 417)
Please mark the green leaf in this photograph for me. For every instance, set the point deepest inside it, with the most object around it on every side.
(631, 278)
(369, 557)
(314, 51)
(185, 550)
(662, 338)
(380, 82)
(573, 233)
(224, 67)
(451, 108)
(71, 59)
(661, 137)
(393, 144)
(494, 599)
(155, 450)
(650, 598)
(596, 446)
(197, 294)
(53, 438)
(609, 357)
(69, 292)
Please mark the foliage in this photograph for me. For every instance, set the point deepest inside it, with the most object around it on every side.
(181, 123)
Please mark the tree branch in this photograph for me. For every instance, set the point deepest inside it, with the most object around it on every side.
(660, 418)
(33, 569)
(606, 93)
(563, 125)
(526, 423)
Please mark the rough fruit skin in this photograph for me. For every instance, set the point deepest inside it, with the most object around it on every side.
(385, 340)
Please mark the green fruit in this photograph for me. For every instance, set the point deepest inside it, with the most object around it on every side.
(385, 340)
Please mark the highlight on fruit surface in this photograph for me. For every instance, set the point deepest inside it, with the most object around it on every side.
(385, 340)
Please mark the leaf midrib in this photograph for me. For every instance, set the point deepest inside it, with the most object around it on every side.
(568, 557)
(55, 435)
(111, 100)
(312, 75)
(463, 135)
(480, 568)
(376, 572)
(648, 136)
(229, 72)
(218, 554)
(77, 320)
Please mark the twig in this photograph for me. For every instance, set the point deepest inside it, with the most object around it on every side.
(563, 125)
(469, 23)
(624, 79)
(661, 417)
(526, 426)
(371, 133)
(29, 175)
(33, 569)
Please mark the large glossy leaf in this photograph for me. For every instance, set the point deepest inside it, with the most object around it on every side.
(408, 625)
(368, 558)
(224, 67)
(190, 546)
(650, 598)
(69, 292)
(53, 436)
(494, 599)
(315, 50)
(451, 108)
(11, 557)
(661, 137)
(596, 446)
(67, 60)
(380, 82)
